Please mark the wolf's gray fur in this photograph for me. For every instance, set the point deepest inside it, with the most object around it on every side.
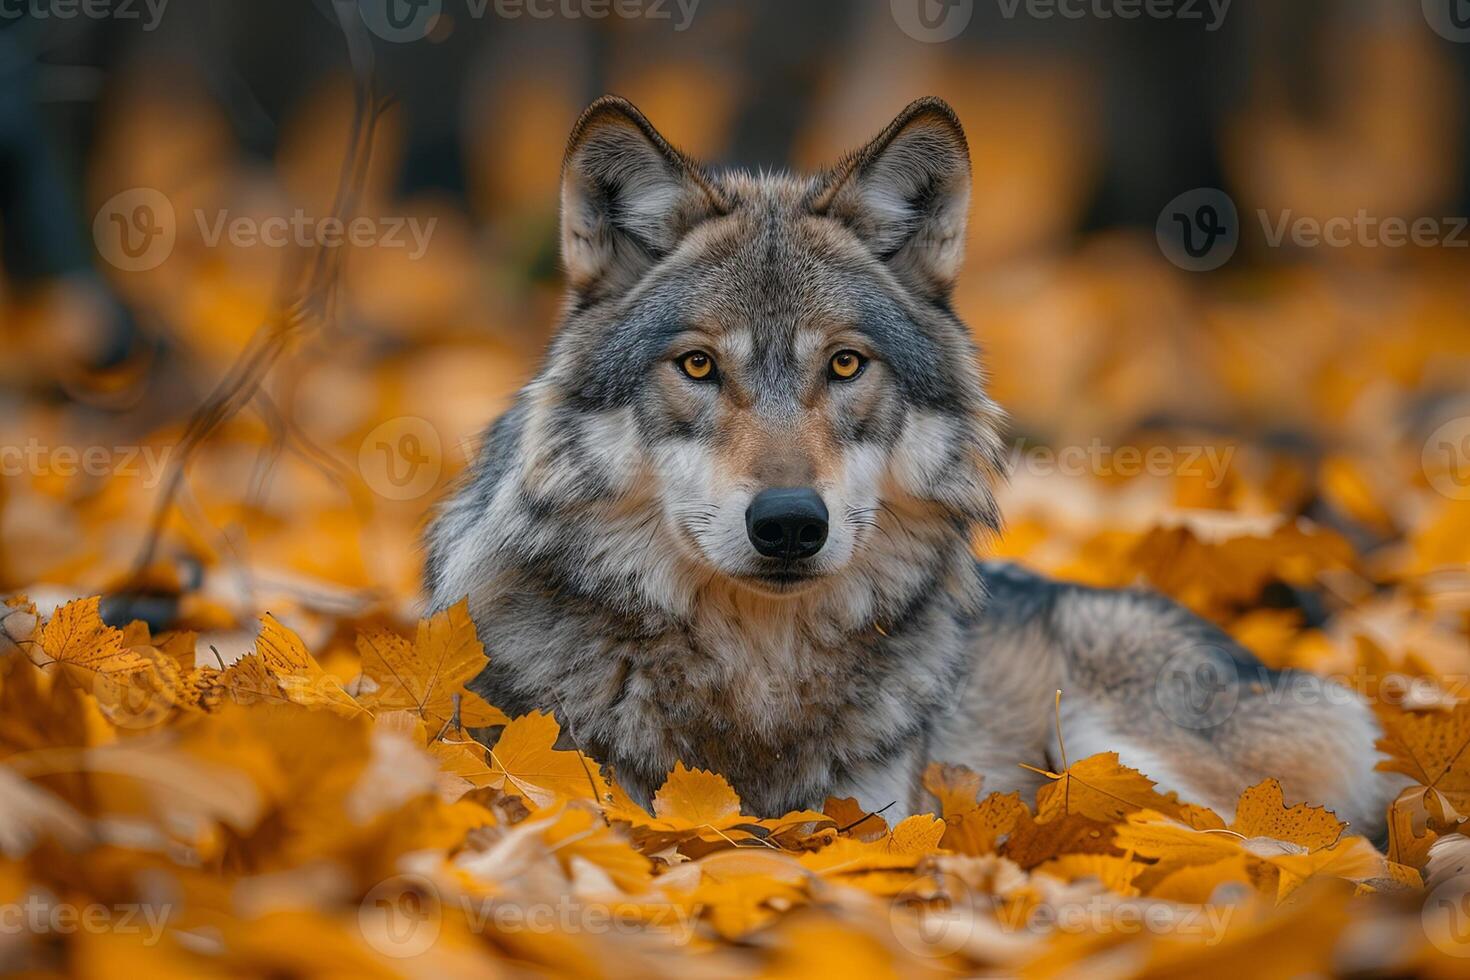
(602, 536)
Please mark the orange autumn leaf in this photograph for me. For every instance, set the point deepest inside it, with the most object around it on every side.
(1262, 812)
(887, 866)
(1430, 748)
(524, 762)
(1353, 859)
(1199, 883)
(851, 818)
(137, 688)
(979, 829)
(694, 804)
(299, 676)
(1101, 788)
(1170, 844)
(695, 799)
(741, 903)
(972, 825)
(1410, 836)
(957, 788)
(911, 840)
(1281, 847)
(1030, 842)
(75, 637)
(427, 675)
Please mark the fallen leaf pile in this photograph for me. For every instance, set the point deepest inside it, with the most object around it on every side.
(271, 816)
(246, 755)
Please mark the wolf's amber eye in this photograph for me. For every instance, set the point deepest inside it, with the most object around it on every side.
(698, 365)
(846, 365)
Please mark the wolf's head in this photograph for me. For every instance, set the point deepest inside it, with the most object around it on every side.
(758, 385)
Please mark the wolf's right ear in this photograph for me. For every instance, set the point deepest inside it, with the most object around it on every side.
(627, 198)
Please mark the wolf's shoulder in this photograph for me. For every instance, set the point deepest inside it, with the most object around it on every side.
(455, 522)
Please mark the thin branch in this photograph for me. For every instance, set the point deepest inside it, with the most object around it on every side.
(309, 307)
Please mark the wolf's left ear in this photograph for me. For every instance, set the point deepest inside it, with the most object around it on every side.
(627, 198)
(907, 194)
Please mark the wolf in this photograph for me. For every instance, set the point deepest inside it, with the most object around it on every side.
(730, 521)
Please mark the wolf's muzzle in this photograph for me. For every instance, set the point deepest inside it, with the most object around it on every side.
(787, 523)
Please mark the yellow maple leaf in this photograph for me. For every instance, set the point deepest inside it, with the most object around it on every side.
(1030, 842)
(694, 798)
(1262, 812)
(297, 673)
(972, 826)
(979, 829)
(694, 803)
(75, 637)
(851, 818)
(910, 841)
(245, 681)
(1172, 845)
(1296, 843)
(525, 762)
(136, 688)
(1431, 749)
(957, 788)
(1101, 788)
(426, 676)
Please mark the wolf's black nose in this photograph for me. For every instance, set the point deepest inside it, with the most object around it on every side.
(787, 523)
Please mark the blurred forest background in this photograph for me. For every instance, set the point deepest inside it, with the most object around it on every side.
(1330, 382)
(1219, 266)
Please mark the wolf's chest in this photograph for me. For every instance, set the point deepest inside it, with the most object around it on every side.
(780, 710)
(779, 724)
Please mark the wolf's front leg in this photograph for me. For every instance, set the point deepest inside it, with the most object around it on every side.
(892, 787)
